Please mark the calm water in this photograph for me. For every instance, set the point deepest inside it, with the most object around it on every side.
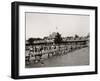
(78, 57)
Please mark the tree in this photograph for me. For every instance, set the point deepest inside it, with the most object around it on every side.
(30, 41)
(76, 36)
(58, 38)
(88, 35)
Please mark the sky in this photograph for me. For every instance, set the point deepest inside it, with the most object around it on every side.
(39, 25)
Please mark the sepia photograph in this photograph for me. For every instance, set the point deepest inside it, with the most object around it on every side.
(50, 40)
(56, 39)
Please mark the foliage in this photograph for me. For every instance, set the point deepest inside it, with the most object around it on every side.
(30, 41)
(76, 36)
(58, 38)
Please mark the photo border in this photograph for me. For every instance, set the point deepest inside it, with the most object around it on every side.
(15, 39)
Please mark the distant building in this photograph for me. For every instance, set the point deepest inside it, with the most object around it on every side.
(52, 36)
(49, 40)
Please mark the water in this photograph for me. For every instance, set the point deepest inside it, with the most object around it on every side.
(78, 57)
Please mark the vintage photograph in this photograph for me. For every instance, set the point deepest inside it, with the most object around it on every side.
(56, 40)
(52, 40)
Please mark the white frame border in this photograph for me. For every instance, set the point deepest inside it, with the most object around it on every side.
(53, 70)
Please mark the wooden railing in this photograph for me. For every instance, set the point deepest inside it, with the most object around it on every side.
(57, 51)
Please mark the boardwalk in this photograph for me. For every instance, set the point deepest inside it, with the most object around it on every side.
(77, 57)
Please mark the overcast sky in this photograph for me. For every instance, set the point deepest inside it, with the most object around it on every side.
(41, 24)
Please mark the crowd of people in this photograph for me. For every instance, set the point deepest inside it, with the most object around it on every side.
(35, 53)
